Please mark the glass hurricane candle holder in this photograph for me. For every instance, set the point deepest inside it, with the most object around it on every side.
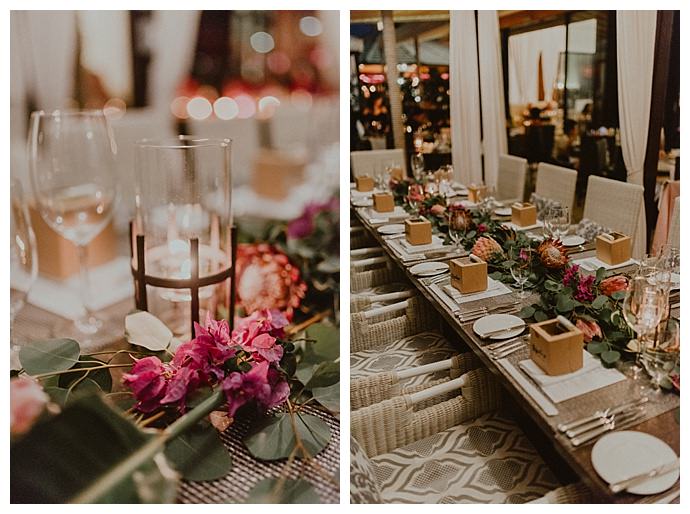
(183, 247)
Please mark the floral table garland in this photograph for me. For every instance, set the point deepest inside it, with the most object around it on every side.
(592, 302)
(65, 408)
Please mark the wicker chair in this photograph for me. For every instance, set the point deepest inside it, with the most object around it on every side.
(368, 162)
(512, 177)
(360, 238)
(373, 333)
(556, 183)
(380, 295)
(370, 480)
(619, 206)
(374, 387)
(361, 280)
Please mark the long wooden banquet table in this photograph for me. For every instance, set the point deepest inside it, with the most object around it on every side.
(661, 418)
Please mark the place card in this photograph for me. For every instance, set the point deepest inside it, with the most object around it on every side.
(556, 346)
(613, 248)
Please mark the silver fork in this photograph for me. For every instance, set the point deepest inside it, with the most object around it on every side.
(434, 279)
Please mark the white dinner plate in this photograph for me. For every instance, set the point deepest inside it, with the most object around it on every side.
(363, 202)
(573, 240)
(395, 228)
(503, 211)
(620, 455)
(497, 321)
(429, 269)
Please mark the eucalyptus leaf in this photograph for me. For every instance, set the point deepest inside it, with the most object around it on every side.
(57, 395)
(618, 295)
(324, 375)
(38, 357)
(326, 344)
(199, 454)
(551, 285)
(564, 303)
(596, 347)
(101, 378)
(527, 312)
(610, 356)
(540, 316)
(601, 273)
(273, 437)
(144, 329)
(600, 301)
(328, 396)
(287, 491)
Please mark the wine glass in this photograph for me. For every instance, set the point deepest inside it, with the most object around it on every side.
(23, 255)
(559, 218)
(643, 308)
(661, 357)
(71, 157)
(417, 165)
(521, 268)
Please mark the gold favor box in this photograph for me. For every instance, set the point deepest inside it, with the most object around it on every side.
(615, 250)
(275, 173)
(475, 193)
(364, 183)
(468, 275)
(58, 258)
(418, 231)
(523, 214)
(396, 172)
(554, 348)
(383, 202)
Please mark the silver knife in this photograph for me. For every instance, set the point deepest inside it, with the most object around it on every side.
(621, 422)
(564, 427)
(643, 477)
(500, 330)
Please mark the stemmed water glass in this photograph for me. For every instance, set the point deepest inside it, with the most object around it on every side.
(71, 156)
(661, 357)
(23, 255)
(520, 268)
(559, 221)
(417, 165)
(643, 309)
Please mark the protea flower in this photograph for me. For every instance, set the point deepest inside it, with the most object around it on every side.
(459, 218)
(589, 329)
(552, 254)
(266, 279)
(487, 249)
(610, 285)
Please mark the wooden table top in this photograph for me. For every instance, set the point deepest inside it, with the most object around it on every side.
(664, 423)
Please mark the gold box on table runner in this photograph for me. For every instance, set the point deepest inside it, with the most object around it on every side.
(58, 258)
(418, 231)
(523, 214)
(396, 172)
(275, 173)
(468, 275)
(364, 183)
(475, 193)
(383, 202)
(613, 248)
(554, 348)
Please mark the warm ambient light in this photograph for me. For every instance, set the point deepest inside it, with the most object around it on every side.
(226, 108)
(199, 108)
(268, 105)
(179, 107)
(246, 106)
(310, 26)
(114, 109)
(262, 42)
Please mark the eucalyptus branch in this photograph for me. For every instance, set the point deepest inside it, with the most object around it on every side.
(76, 370)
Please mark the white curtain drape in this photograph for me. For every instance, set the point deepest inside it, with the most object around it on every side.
(464, 98)
(491, 90)
(173, 38)
(636, 31)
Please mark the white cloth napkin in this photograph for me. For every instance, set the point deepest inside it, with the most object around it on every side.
(397, 246)
(374, 217)
(593, 264)
(510, 224)
(110, 283)
(436, 242)
(527, 386)
(494, 288)
(592, 376)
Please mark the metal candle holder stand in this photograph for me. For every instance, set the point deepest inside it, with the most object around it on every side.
(193, 283)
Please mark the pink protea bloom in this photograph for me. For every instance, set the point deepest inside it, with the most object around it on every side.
(610, 285)
(438, 209)
(590, 329)
(148, 381)
(27, 401)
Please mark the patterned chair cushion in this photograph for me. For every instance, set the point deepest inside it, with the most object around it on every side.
(408, 352)
(363, 486)
(487, 460)
(542, 204)
(589, 229)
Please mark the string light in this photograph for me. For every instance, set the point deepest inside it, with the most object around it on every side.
(262, 42)
(199, 108)
(226, 108)
(310, 26)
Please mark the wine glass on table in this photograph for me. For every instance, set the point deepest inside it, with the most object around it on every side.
(417, 165)
(71, 157)
(661, 357)
(559, 218)
(643, 309)
(23, 255)
(521, 268)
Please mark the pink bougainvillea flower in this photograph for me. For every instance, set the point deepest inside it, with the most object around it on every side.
(481, 228)
(183, 381)
(571, 275)
(264, 347)
(267, 279)
(610, 285)
(303, 226)
(590, 329)
(27, 401)
(262, 384)
(585, 289)
(148, 381)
